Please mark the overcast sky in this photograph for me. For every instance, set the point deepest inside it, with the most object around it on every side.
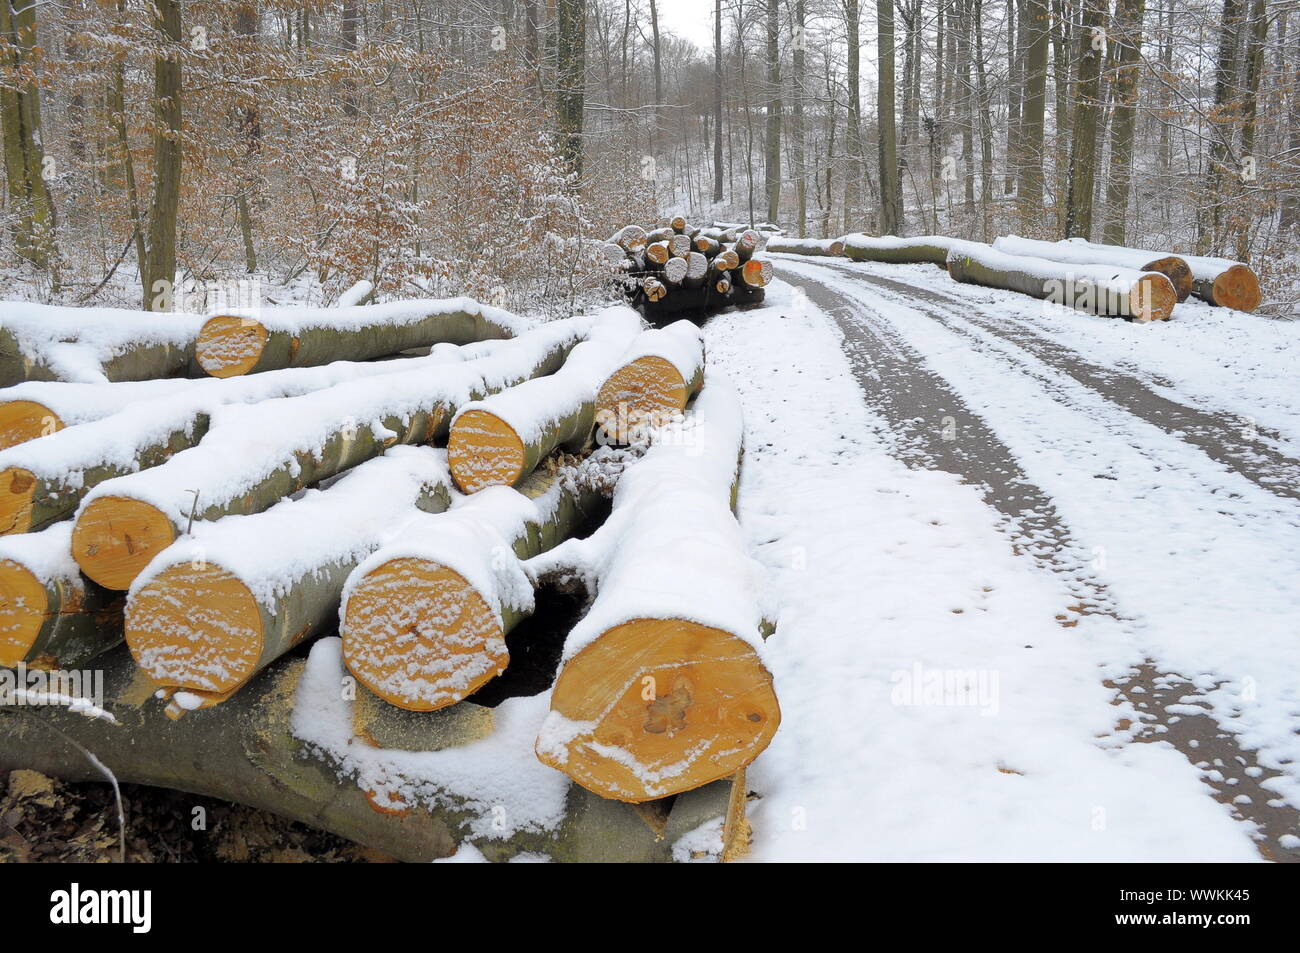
(690, 19)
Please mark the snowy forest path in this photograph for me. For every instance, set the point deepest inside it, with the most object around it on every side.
(934, 426)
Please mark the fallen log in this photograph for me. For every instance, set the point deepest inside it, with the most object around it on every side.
(747, 244)
(93, 345)
(424, 618)
(630, 238)
(250, 751)
(659, 374)
(924, 249)
(662, 686)
(697, 269)
(1099, 289)
(1218, 281)
(254, 455)
(52, 617)
(500, 439)
(149, 422)
(654, 289)
(679, 246)
(1172, 267)
(213, 609)
(657, 253)
(230, 345)
(826, 247)
(674, 271)
(707, 245)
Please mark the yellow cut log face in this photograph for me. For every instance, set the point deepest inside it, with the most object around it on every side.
(23, 420)
(17, 489)
(659, 706)
(115, 538)
(647, 392)
(1153, 298)
(229, 346)
(195, 627)
(1237, 288)
(23, 606)
(483, 451)
(419, 636)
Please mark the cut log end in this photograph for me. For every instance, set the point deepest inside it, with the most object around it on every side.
(483, 450)
(17, 492)
(1177, 271)
(659, 706)
(196, 627)
(1152, 298)
(23, 607)
(229, 346)
(23, 420)
(115, 537)
(647, 392)
(756, 273)
(1237, 288)
(419, 636)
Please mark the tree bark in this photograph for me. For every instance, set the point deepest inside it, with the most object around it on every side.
(1128, 35)
(891, 187)
(1087, 106)
(159, 271)
(570, 78)
(772, 133)
(1030, 139)
(853, 137)
(717, 101)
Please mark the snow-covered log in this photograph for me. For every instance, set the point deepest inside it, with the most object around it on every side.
(272, 338)
(656, 377)
(747, 244)
(824, 247)
(1218, 281)
(631, 238)
(213, 609)
(253, 455)
(39, 408)
(424, 618)
(500, 440)
(1172, 267)
(891, 250)
(1099, 289)
(90, 345)
(52, 617)
(246, 751)
(662, 686)
(148, 421)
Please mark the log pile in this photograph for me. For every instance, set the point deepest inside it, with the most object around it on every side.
(677, 267)
(188, 536)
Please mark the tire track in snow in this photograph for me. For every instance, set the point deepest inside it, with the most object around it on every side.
(922, 407)
(1231, 444)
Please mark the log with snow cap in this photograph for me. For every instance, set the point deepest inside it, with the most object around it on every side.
(662, 686)
(51, 616)
(656, 377)
(1172, 267)
(822, 247)
(424, 618)
(216, 607)
(255, 454)
(270, 338)
(1099, 289)
(1217, 281)
(44, 480)
(892, 250)
(93, 345)
(500, 439)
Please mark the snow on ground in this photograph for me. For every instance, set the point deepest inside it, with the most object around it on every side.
(1204, 561)
(933, 707)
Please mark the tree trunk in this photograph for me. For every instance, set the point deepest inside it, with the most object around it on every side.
(499, 440)
(853, 143)
(1128, 35)
(430, 582)
(891, 187)
(32, 208)
(1172, 267)
(570, 78)
(246, 751)
(821, 247)
(923, 249)
(1030, 139)
(123, 523)
(800, 131)
(227, 601)
(672, 693)
(772, 134)
(247, 25)
(1223, 123)
(160, 260)
(1087, 104)
(1218, 281)
(1098, 289)
(51, 617)
(234, 345)
(717, 101)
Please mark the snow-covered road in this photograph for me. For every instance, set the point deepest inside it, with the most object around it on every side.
(1039, 570)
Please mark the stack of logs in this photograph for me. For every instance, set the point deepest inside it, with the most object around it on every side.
(172, 516)
(679, 267)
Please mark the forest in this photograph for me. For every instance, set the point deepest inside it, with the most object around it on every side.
(179, 152)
